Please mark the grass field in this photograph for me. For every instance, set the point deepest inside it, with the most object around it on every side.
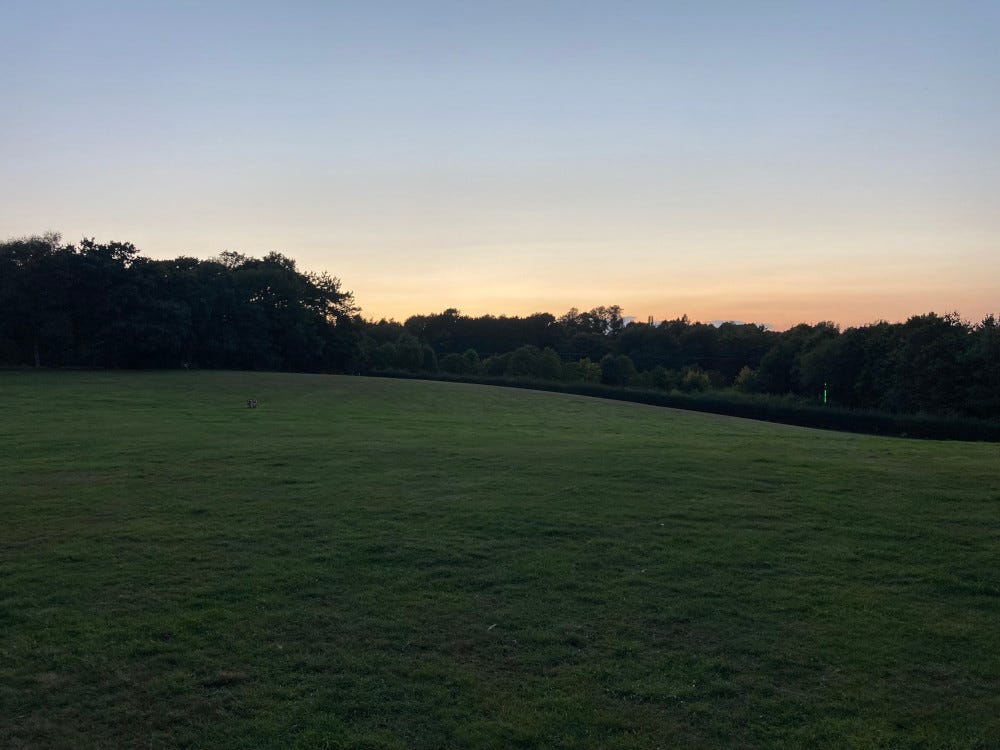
(364, 563)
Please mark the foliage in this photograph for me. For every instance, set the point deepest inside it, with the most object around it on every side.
(930, 364)
(450, 332)
(550, 367)
(746, 380)
(103, 305)
(695, 380)
(582, 371)
(458, 365)
(524, 362)
(617, 369)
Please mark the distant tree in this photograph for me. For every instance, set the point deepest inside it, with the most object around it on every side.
(232, 260)
(451, 332)
(863, 373)
(430, 359)
(699, 345)
(409, 353)
(524, 362)
(740, 346)
(473, 363)
(454, 364)
(600, 320)
(36, 318)
(384, 330)
(438, 330)
(588, 345)
(663, 379)
(648, 346)
(582, 371)
(617, 370)
(981, 363)
(780, 369)
(746, 380)
(931, 376)
(696, 380)
(550, 367)
(833, 365)
(384, 356)
(496, 365)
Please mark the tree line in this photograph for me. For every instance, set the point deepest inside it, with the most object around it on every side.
(935, 364)
(104, 305)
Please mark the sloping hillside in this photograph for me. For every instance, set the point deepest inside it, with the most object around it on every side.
(400, 564)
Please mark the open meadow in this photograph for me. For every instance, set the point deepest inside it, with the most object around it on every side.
(368, 563)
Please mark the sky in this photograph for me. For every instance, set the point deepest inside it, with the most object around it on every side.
(764, 161)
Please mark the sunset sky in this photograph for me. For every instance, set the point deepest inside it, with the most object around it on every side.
(774, 162)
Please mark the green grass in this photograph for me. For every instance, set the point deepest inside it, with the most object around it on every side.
(369, 563)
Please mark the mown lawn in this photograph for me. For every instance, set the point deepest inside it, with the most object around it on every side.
(364, 563)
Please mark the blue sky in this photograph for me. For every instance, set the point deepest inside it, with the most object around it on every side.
(767, 161)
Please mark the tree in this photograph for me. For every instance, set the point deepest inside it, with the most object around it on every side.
(981, 363)
(430, 360)
(473, 365)
(589, 345)
(524, 362)
(583, 371)
(550, 367)
(461, 364)
(409, 353)
(103, 304)
(746, 380)
(603, 321)
(32, 297)
(700, 346)
(650, 346)
(617, 370)
(496, 365)
(695, 379)
(930, 376)
(739, 346)
(663, 379)
(781, 368)
(865, 371)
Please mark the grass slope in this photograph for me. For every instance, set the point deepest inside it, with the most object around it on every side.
(369, 563)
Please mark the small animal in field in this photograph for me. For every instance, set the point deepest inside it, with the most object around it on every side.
(251, 403)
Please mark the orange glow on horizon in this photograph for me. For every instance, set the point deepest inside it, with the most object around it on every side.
(779, 311)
